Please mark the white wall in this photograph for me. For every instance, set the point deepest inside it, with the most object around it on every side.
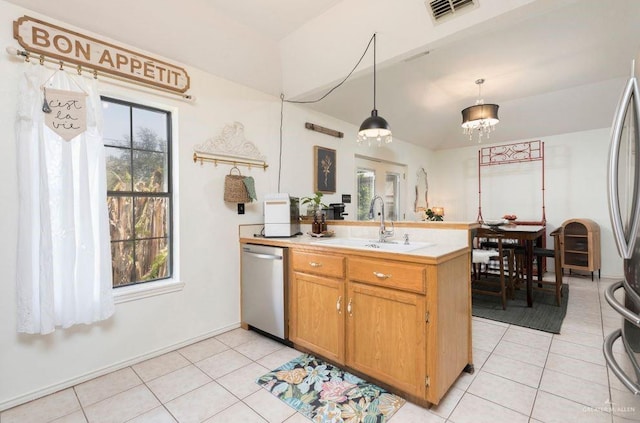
(298, 156)
(575, 186)
(32, 365)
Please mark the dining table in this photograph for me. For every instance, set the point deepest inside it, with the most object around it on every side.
(524, 234)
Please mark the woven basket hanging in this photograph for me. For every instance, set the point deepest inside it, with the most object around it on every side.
(235, 190)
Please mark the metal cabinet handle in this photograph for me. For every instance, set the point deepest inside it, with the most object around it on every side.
(339, 305)
(613, 364)
(314, 264)
(349, 306)
(263, 256)
(633, 318)
(615, 304)
(381, 275)
(625, 246)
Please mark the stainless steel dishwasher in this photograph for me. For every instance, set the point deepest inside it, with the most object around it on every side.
(264, 289)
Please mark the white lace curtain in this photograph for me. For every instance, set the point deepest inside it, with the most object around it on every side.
(64, 262)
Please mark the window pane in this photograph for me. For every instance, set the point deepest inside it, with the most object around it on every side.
(149, 130)
(137, 146)
(149, 171)
(117, 124)
(122, 262)
(120, 218)
(118, 169)
(151, 259)
(366, 180)
(151, 217)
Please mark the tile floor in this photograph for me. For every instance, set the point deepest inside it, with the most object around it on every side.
(521, 375)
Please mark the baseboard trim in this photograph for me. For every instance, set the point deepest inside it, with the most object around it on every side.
(22, 399)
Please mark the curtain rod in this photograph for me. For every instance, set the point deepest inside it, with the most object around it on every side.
(42, 59)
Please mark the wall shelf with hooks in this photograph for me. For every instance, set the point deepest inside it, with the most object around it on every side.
(231, 147)
(206, 157)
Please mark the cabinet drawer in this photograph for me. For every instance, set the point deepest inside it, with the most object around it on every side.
(318, 264)
(410, 277)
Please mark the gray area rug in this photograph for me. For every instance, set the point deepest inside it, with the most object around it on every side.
(545, 315)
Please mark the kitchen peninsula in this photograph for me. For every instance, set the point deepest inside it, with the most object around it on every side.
(400, 319)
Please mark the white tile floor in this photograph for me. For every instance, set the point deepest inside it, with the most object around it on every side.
(521, 375)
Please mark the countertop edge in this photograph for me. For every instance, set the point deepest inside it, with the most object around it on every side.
(449, 253)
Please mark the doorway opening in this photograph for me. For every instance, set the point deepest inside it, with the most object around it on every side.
(383, 178)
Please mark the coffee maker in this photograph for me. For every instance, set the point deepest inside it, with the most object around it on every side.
(335, 211)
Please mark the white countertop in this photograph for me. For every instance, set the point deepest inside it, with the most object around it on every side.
(436, 251)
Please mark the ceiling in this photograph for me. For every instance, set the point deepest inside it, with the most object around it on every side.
(275, 18)
(553, 73)
(556, 71)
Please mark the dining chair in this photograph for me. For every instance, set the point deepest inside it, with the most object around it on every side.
(488, 283)
(554, 286)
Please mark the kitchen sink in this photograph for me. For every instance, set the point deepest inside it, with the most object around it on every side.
(392, 246)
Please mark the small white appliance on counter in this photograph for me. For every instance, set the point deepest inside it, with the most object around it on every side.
(281, 216)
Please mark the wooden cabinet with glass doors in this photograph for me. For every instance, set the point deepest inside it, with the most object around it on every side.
(580, 246)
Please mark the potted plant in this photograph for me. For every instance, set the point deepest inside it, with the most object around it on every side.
(314, 204)
(433, 216)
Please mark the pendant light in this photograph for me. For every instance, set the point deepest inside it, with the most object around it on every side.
(374, 128)
(481, 117)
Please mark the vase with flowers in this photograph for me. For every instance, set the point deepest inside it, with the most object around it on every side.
(433, 216)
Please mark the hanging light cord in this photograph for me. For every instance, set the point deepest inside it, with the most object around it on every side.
(283, 100)
(280, 154)
(373, 39)
(480, 100)
(374, 70)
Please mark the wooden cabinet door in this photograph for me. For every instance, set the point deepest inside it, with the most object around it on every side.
(386, 335)
(580, 245)
(316, 315)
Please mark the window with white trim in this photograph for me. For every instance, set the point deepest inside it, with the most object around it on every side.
(137, 142)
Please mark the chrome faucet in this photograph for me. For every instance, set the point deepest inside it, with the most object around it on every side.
(383, 232)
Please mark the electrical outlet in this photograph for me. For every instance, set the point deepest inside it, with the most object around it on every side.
(240, 208)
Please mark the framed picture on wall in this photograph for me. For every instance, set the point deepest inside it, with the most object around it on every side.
(324, 170)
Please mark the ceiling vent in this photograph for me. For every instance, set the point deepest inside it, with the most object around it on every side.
(442, 8)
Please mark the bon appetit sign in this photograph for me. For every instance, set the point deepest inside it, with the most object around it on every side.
(40, 37)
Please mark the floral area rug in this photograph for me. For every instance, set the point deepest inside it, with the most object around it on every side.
(327, 394)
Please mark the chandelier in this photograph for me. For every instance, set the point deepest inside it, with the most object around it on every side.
(481, 117)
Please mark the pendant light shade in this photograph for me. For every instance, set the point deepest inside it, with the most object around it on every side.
(481, 117)
(474, 116)
(374, 128)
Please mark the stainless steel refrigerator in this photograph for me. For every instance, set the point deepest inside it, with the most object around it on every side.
(624, 210)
